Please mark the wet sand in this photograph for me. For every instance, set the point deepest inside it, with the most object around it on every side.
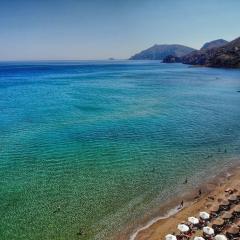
(158, 227)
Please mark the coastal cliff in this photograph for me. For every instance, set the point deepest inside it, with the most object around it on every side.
(227, 56)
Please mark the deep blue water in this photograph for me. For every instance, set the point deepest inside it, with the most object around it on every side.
(92, 146)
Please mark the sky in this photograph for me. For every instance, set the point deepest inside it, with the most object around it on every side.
(100, 29)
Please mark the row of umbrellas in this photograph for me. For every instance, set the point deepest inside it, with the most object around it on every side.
(206, 216)
(215, 208)
(184, 228)
(217, 237)
(193, 220)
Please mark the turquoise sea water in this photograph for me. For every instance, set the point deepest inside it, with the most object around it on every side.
(91, 146)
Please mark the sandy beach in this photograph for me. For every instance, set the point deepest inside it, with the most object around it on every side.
(158, 229)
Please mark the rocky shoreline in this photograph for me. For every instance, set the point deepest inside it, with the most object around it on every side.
(226, 56)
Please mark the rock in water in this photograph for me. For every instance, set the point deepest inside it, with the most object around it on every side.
(171, 59)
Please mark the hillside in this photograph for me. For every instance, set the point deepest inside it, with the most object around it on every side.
(227, 56)
(158, 52)
(213, 44)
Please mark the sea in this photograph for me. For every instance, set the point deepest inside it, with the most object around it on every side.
(89, 147)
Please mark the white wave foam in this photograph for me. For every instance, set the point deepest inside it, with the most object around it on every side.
(170, 213)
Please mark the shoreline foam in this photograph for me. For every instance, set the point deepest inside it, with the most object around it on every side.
(170, 213)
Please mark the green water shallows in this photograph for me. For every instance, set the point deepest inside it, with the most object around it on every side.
(93, 145)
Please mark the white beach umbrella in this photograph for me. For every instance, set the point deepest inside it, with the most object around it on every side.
(204, 215)
(220, 237)
(170, 237)
(183, 227)
(208, 230)
(199, 238)
(193, 220)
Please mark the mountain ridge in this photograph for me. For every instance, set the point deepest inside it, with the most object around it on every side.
(160, 51)
(213, 44)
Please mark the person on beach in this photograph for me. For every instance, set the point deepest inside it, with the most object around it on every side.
(181, 205)
(185, 182)
(199, 192)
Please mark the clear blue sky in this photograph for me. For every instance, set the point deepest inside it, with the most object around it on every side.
(99, 29)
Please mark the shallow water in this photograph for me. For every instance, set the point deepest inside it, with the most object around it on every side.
(91, 146)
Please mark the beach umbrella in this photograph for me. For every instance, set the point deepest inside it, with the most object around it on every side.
(170, 237)
(232, 198)
(183, 228)
(222, 197)
(218, 222)
(208, 230)
(236, 208)
(193, 220)
(220, 237)
(238, 222)
(204, 215)
(233, 230)
(224, 203)
(199, 238)
(214, 208)
(226, 215)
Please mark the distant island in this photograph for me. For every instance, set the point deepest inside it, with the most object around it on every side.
(227, 55)
(159, 52)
